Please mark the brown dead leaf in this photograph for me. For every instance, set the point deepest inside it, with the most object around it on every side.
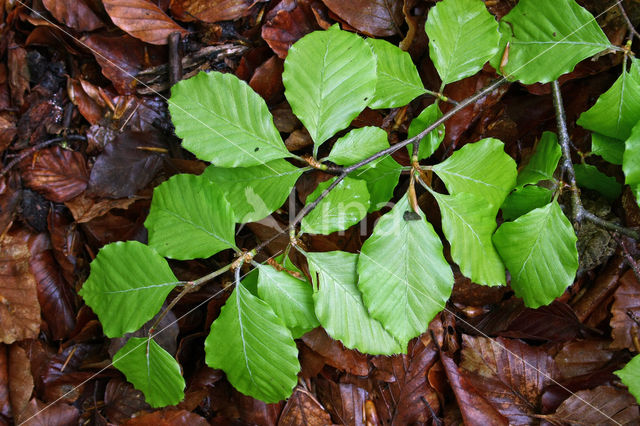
(335, 353)
(474, 408)
(267, 80)
(10, 195)
(508, 373)
(88, 107)
(123, 169)
(19, 307)
(74, 14)
(5, 403)
(303, 408)
(581, 357)
(20, 381)
(405, 397)
(121, 57)
(18, 71)
(554, 322)
(379, 18)
(84, 208)
(53, 294)
(8, 131)
(55, 414)
(142, 19)
(210, 11)
(602, 405)
(57, 173)
(626, 312)
(167, 417)
(286, 23)
(122, 401)
(345, 401)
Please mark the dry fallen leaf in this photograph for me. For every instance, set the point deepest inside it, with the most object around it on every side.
(19, 307)
(74, 14)
(602, 405)
(380, 18)
(57, 173)
(142, 19)
(303, 409)
(210, 11)
(626, 312)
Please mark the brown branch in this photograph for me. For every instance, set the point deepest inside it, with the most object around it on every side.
(632, 30)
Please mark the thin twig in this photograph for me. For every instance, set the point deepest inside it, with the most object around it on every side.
(190, 286)
(578, 210)
(565, 143)
(629, 23)
(27, 152)
(175, 61)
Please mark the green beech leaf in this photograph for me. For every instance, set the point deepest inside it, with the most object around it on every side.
(253, 347)
(339, 306)
(463, 35)
(381, 176)
(539, 250)
(357, 145)
(345, 206)
(189, 218)
(127, 286)
(617, 110)
(468, 223)
(608, 148)
(543, 162)
(222, 120)
(398, 82)
(329, 78)
(523, 200)
(547, 38)
(255, 192)
(290, 298)
(434, 138)
(404, 279)
(630, 376)
(588, 176)
(151, 370)
(481, 168)
(631, 158)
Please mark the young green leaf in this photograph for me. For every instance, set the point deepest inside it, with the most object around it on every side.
(588, 176)
(539, 250)
(398, 82)
(253, 347)
(189, 218)
(381, 176)
(432, 141)
(631, 162)
(329, 78)
(255, 192)
(547, 38)
(543, 162)
(357, 145)
(222, 120)
(151, 370)
(523, 200)
(462, 37)
(403, 276)
(339, 307)
(290, 298)
(468, 223)
(617, 110)
(481, 168)
(127, 286)
(610, 149)
(345, 206)
(630, 376)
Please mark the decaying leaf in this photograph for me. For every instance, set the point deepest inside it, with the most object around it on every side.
(57, 173)
(602, 405)
(74, 13)
(626, 311)
(210, 11)
(303, 408)
(373, 17)
(142, 19)
(19, 307)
